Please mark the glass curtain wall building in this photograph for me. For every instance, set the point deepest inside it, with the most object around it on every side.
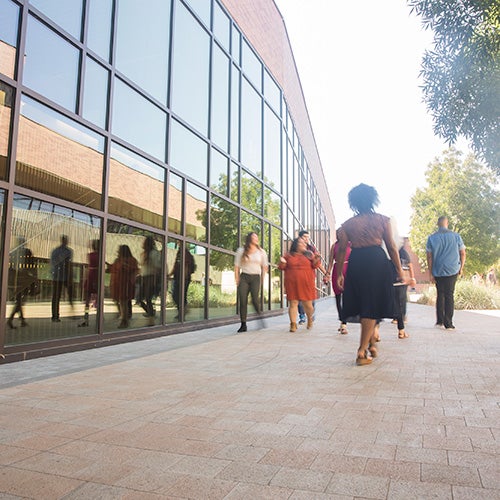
(139, 143)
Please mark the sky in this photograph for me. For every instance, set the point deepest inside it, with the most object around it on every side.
(359, 65)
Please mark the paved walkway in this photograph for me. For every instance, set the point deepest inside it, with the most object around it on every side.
(265, 414)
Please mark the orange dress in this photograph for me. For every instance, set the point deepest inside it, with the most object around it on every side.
(300, 276)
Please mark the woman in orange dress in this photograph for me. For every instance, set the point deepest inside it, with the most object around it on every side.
(299, 265)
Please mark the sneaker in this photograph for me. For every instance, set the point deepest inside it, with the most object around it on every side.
(439, 325)
(302, 319)
(450, 328)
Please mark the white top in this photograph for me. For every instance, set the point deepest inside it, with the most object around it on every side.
(153, 265)
(254, 264)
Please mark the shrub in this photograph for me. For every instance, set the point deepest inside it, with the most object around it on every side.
(467, 296)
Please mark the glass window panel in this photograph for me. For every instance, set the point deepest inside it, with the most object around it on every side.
(251, 65)
(222, 26)
(196, 212)
(234, 185)
(218, 173)
(131, 112)
(276, 245)
(48, 263)
(251, 128)
(6, 102)
(99, 27)
(136, 187)
(50, 65)
(95, 97)
(190, 70)
(251, 192)
(202, 9)
(223, 223)
(173, 255)
(276, 277)
(272, 149)
(58, 156)
(67, 14)
(123, 283)
(222, 286)
(272, 206)
(175, 204)
(249, 224)
(284, 169)
(188, 153)
(220, 98)
(142, 44)
(272, 92)
(235, 113)
(194, 265)
(265, 243)
(9, 21)
(236, 44)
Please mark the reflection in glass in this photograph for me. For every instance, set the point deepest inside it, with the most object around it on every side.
(249, 224)
(202, 9)
(190, 61)
(175, 204)
(272, 206)
(251, 192)
(234, 184)
(222, 26)
(196, 212)
(173, 251)
(272, 92)
(48, 263)
(251, 65)
(194, 264)
(223, 223)
(142, 41)
(99, 26)
(275, 275)
(222, 286)
(50, 65)
(275, 251)
(130, 112)
(272, 149)
(8, 36)
(220, 104)
(235, 44)
(127, 172)
(125, 247)
(218, 173)
(67, 14)
(251, 128)
(95, 97)
(188, 153)
(6, 100)
(235, 113)
(58, 156)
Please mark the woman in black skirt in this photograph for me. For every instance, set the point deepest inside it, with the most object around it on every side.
(368, 283)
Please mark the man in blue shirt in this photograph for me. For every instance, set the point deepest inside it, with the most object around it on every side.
(445, 259)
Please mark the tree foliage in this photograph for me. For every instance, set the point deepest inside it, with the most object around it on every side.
(467, 193)
(461, 74)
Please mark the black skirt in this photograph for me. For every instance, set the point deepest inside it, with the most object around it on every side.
(368, 285)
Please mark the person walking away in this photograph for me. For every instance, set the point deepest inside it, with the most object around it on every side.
(176, 274)
(250, 266)
(401, 292)
(446, 261)
(368, 282)
(333, 270)
(60, 266)
(299, 264)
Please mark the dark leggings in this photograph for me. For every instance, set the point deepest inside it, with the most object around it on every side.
(249, 283)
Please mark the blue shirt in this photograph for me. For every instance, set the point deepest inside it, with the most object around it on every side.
(445, 246)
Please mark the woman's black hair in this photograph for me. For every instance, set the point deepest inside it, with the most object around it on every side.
(294, 245)
(363, 199)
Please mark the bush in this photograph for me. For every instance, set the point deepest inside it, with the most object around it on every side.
(467, 296)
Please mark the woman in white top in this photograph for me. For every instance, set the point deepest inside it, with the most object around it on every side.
(250, 265)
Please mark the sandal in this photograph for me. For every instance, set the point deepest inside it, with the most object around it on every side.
(343, 329)
(363, 360)
(402, 334)
(373, 351)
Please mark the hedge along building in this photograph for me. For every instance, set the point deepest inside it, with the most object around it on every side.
(180, 120)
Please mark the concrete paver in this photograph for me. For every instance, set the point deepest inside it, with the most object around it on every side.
(265, 414)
